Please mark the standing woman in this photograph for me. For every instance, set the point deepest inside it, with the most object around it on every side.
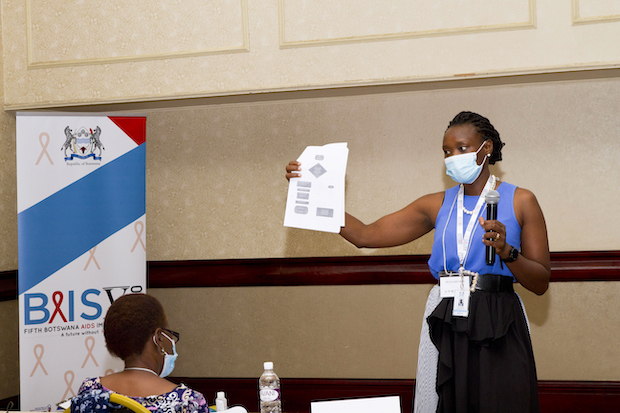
(480, 360)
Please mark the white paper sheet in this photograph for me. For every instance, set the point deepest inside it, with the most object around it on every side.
(385, 404)
(316, 199)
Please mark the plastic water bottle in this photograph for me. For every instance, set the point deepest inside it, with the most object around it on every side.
(221, 403)
(269, 390)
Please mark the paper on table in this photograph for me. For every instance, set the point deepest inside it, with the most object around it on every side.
(316, 199)
(384, 404)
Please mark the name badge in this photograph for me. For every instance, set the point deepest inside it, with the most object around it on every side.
(449, 286)
(458, 289)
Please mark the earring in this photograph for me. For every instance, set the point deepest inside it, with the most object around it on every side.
(158, 346)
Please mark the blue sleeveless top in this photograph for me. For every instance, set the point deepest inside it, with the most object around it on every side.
(475, 259)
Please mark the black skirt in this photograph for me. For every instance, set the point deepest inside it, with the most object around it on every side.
(486, 362)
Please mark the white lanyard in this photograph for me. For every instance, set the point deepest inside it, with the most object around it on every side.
(463, 241)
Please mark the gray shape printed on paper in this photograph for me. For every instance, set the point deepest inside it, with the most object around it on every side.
(317, 170)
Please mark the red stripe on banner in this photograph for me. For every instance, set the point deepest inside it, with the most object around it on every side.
(134, 127)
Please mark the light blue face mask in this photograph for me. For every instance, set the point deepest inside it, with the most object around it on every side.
(169, 359)
(464, 168)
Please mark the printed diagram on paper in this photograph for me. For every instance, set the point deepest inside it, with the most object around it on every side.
(315, 201)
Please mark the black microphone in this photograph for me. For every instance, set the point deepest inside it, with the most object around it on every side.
(491, 198)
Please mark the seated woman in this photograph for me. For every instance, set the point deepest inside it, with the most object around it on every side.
(137, 331)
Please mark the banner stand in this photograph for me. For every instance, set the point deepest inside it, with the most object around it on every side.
(82, 244)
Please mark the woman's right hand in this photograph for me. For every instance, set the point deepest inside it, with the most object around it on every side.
(292, 170)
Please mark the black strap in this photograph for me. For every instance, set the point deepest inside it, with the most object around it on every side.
(494, 283)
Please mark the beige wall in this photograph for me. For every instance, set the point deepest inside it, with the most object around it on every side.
(215, 173)
(9, 368)
(8, 188)
(561, 142)
(215, 190)
(373, 331)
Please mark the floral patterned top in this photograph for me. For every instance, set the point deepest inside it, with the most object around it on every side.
(93, 397)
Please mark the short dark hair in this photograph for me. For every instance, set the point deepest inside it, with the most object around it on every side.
(484, 128)
(130, 322)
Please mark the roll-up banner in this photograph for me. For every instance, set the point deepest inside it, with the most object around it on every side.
(81, 244)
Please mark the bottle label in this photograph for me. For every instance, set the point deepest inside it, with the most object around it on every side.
(269, 395)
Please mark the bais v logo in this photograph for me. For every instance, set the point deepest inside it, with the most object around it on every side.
(83, 143)
(65, 305)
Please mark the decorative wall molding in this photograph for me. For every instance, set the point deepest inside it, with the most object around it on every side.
(329, 39)
(34, 63)
(8, 285)
(555, 396)
(605, 12)
(356, 270)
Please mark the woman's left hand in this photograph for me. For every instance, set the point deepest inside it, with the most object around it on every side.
(495, 236)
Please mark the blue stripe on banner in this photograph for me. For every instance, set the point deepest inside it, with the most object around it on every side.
(72, 221)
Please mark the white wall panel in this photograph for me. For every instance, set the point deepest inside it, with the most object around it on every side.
(67, 52)
(323, 22)
(595, 11)
(62, 33)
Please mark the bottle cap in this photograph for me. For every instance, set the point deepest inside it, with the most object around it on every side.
(268, 365)
(221, 395)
